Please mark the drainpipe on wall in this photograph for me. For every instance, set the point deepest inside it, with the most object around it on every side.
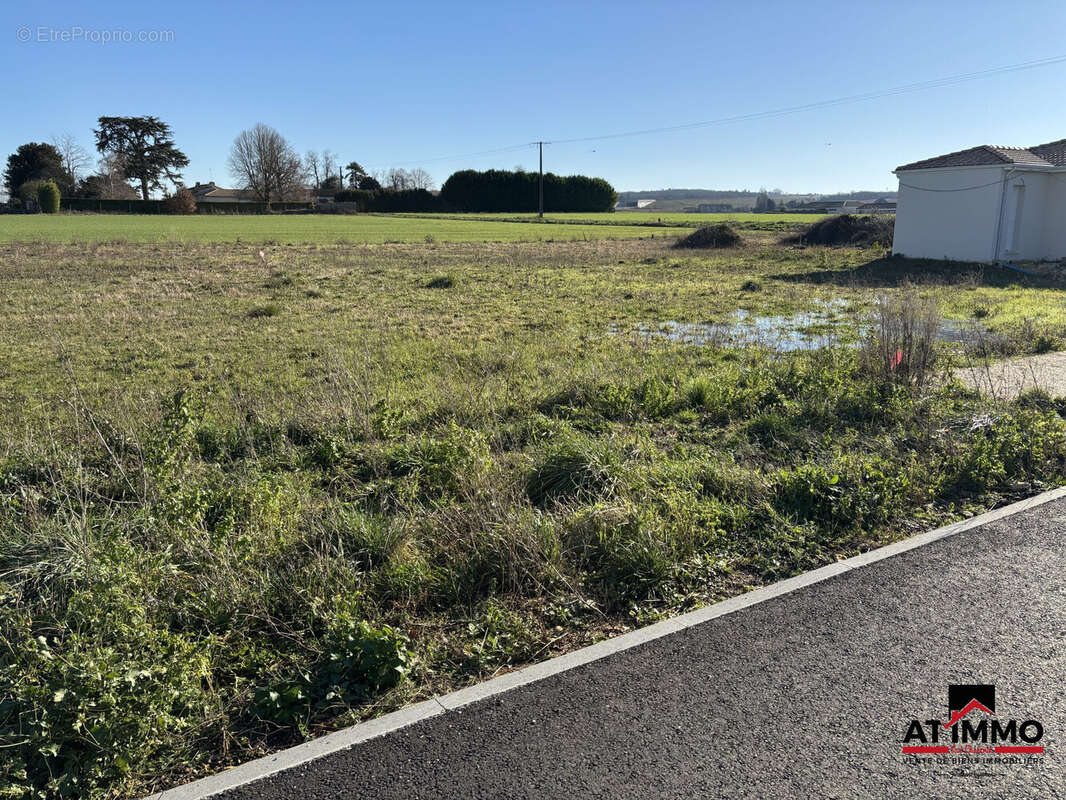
(999, 219)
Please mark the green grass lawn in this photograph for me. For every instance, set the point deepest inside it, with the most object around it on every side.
(750, 221)
(293, 228)
(245, 503)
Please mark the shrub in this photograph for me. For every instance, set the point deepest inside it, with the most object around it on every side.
(710, 237)
(181, 202)
(900, 347)
(28, 191)
(48, 197)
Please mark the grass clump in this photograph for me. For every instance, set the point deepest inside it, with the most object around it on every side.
(711, 237)
(440, 282)
(572, 470)
(268, 310)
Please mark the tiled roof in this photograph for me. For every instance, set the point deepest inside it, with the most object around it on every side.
(218, 192)
(1052, 154)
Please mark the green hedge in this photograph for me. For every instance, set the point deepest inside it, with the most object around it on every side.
(501, 190)
(386, 201)
(159, 206)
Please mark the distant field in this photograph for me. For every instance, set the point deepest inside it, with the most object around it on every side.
(770, 222)
(299, 229)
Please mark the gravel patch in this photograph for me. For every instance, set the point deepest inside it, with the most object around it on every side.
(1006, 380)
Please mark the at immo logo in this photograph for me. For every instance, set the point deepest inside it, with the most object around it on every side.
(973, 727)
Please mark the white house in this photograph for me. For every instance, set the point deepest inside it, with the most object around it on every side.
(984, 204)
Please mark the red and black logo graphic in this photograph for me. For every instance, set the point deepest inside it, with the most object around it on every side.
(973, 728)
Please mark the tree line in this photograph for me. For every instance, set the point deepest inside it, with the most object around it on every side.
(138, 156)
(518, 190)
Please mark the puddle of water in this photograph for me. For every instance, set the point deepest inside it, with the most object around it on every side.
(967, 332)
(786, 333)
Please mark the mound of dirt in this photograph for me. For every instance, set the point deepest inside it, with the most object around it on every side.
(710, 237)
(875, 229)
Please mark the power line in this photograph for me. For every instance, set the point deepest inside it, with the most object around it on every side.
(935, 83)
(855, 98)
(919, 86)
(509, 149)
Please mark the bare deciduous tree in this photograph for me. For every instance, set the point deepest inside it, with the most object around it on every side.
(330, 164)
(313, 167)
(109, 181)
(114, 177)
(75, 157)
(397, 179)
(266, 164)
(418, 178)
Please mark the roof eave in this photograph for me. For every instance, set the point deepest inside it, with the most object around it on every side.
(1005, 166)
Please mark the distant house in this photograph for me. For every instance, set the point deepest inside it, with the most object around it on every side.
(819, 207)
(209, 193)
(881, 205)
(633, 204)
(987, 203)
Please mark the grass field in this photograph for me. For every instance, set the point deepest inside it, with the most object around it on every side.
(293, 229)
(745, 220)
(244, 503)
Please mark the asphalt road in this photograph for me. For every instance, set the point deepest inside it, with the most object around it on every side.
(805, 695)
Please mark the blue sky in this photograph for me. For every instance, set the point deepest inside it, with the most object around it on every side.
(403, 84)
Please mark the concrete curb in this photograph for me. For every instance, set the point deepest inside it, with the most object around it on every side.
(349, 737)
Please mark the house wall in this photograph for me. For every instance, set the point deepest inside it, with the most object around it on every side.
(1054, 217)
(962, 225)
(1030, 247)
(957, 225)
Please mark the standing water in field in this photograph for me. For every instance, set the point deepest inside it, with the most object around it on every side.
(787, 333)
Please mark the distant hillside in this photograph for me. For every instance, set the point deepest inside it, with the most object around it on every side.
(740, 199)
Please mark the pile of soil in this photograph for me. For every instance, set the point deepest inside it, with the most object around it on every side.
(875, 229)
(710, 237)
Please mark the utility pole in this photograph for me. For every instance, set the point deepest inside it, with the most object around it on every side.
(540, 206)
